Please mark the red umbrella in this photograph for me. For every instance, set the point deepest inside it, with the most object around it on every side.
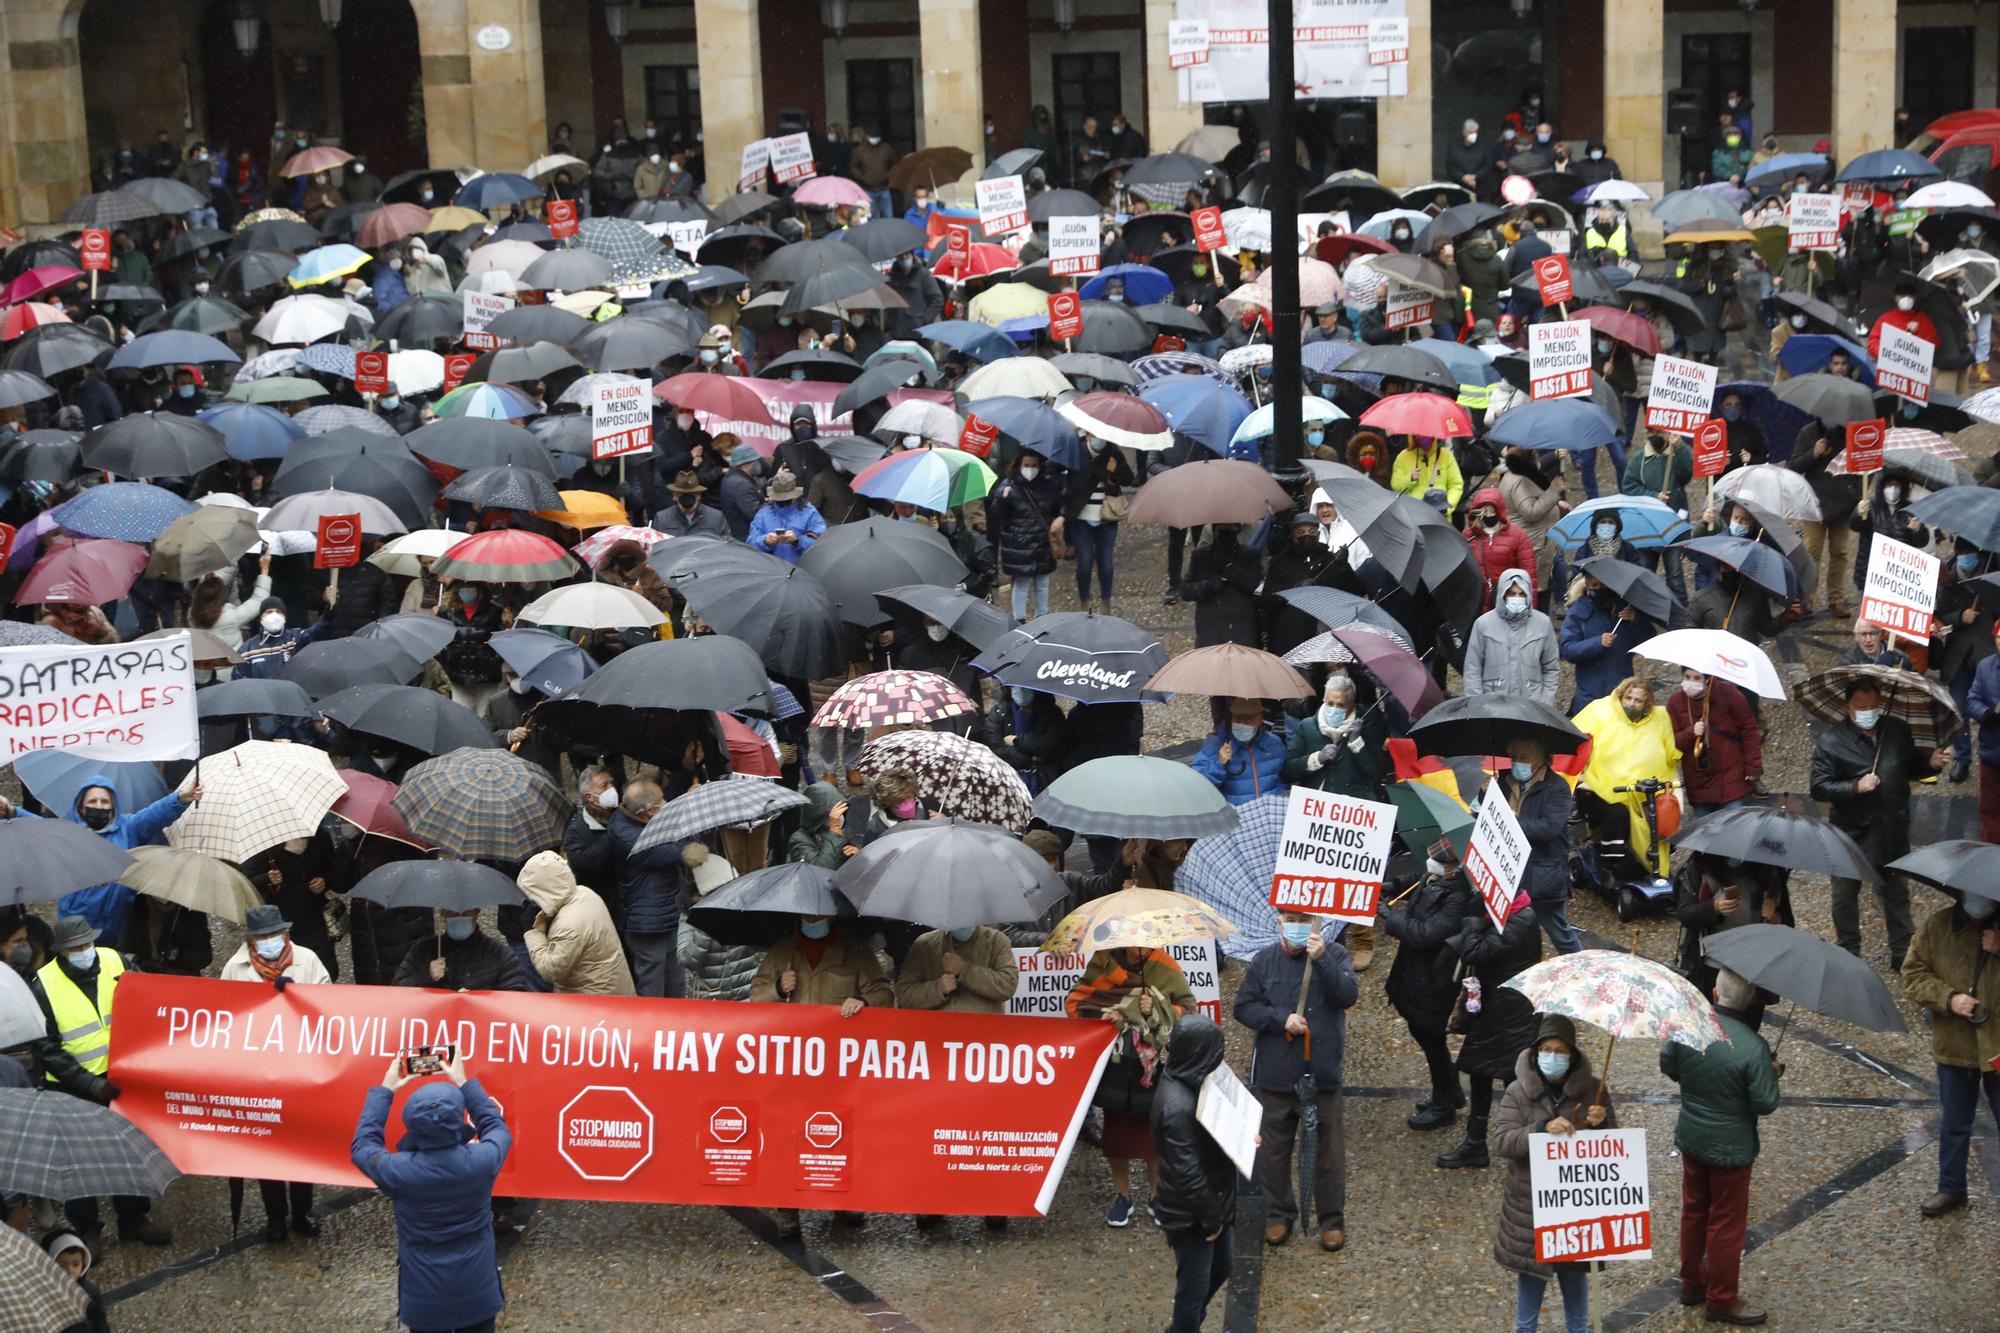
(1340, 245)
(88, 573)
(1635, 331)
(31, 315)
(36, 281)
(748, 752)
(1426, 414)
(983, 260)
(1124, 420)
(505, 555)
(724, 395)
(366, 806)
(392, 223)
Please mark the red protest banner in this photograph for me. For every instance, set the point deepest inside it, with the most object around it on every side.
(560, 215)
(339, 542)
(635, 1100)
(1864, 446)
(1208, 230)
(456, 366)
(958, 244)
(977, 439)
(6, 542)
(1552, 273)
(1065, 315)
(371, 372)
(1711, 447)
(95, 249)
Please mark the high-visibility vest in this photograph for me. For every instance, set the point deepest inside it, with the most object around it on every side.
(1474, 397)
(85, 1031)
(1617, 242)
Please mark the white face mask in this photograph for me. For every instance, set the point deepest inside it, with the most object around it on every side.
(1867, 718)
(1513, 608)
(80, 959)
(1597, 154)
(1906, 303)
(272, 621)
(382, 761)
(1606, 531)
(1893, 494)
(608, 799)
(1436, 867)
(1798, 321)
(1243, 732)
(268, 947)
(937, 633)
(685, 420)
(873, 140)
(1029, 472)
(1694, 689)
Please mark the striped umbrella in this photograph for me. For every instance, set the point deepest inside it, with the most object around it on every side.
(1926, 706)
(483, 804)
(498, 402)
(933, 479)
(1232, 873)
(255, 796)
(40, 1295)
(505, 555)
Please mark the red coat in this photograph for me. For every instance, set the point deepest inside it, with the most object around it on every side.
(1910, 321)
(1498, 552)
(1734, 748)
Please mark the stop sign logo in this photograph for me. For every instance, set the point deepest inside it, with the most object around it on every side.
(605, 1133)
(95, 249)
(727, 1124)
(823, 1129)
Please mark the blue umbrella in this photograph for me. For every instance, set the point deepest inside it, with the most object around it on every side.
(1144, 284)
(126, 511)
(1035, 425)
(173, 347)
(1787, 165)
(1889, 164)
(1024, 329)
(1199, 408)
(978, 341)
(710, 277)
(1231, 872)
(1971, 512)
(1777, 419)
(1468, 365)
(549, 662)
(252, 431)
(328, 359)
(1555, 423)
(1805, 353)
(1645, 521)
(1246, 443)
(1325, 356)
(496, 189)
(326, 264)
(55, 778)
(1162, 364)
(1757, 562)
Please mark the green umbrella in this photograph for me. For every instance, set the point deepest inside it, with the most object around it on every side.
(1424, 814)
(277, 389)
(1135, 796)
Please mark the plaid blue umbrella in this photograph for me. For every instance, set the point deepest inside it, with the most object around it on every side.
(173, 347)
(1324, 357)
(1807, 353)
(55, 778)
(496, 189)
(1231, 872)
(1647, 523)
(252, 431)
(1778, 419)
(328, 359)
(1162, 364)
(786, 704)
(1197, 407)
(126, 511)
(618, 241)
(1971, 512)
(67, 1148)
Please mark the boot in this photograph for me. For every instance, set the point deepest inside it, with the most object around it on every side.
(1434, 1115)
(1941, 1203)
(1472, 1152)
(1360, 941)
(1960, 771)
(305, 1225)
(148, 1232)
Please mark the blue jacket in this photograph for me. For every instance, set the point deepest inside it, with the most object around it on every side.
(1253, 770)
(1599, 669)
(1544, 818)
(649, 882)
(388, 288)
(1981, 702)
(1269, 994)
(798, 517)
(441, 1185)
(265, 655)
(103, 905)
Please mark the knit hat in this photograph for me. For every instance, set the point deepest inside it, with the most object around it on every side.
(273, 604)
(1560, 1026)
(710, 871)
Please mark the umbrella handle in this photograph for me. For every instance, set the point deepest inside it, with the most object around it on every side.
(1790, 1010)
(1605, 1072)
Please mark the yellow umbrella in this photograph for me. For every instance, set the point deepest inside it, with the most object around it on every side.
(1008, 300)
(585, 509)
(1710, 236)
(1137, 919)
(193, 880)
(453, 218)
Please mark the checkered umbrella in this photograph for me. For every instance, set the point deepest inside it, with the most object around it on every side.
(737, 799)
(955, 776)
(40, 1295)
(483, 803)
(892, 698)
(67, 1148)
(255, 796)
(618, 240)
(331, 417)
(1231, 872)
(1924, 704)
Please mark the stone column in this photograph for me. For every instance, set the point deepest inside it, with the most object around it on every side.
(954, 103)
(1864, 76)
(44, 158)
(1405, 145)
(444, 45)
(509, 106)
(729, 54)
(1168, 119)
(1634, 89)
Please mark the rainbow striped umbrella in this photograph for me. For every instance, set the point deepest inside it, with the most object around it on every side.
(934, 479)
(500, 402)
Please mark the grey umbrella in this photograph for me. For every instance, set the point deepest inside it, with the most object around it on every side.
(835, 284)
(1013, 162)
(418, 633)
(763, 906)
(630, 342)
(877, 382)
(166, 194)
(246, 697)
(801, 260)
(68, 1148)
(1105, 370)
(452, 886)
(505, 487)
(154, 444)
(1835, 401)
(1954, 865)
(948, 874)
(21, 1018)
(1809, 972)
(567, 271)
(1135, 796)
(531, 323)
(738, 799)
(43, 859)
(1778, 835)
(471, 443)
(109, 208)
(417, 719)
(741, 205)
(978, 623)
(521, 365)
(333, 665)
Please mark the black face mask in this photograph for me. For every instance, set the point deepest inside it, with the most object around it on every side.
(687, 502)
(97, 819)
(801, 431)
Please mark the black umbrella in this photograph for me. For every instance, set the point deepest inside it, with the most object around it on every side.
(195, 240)
(505, 487)
(1354, 191)
(836, 285)
(741, 205)
(43, 859)
(275, 234)
(783, 613)
(1677, 306)
(538, 323)
(881, 239)
(1387, 529)
(1641, 589)
(630, 342)
(470, 443)
(19, 388)
(567, 270)
(1455, 222)
(1113, 330)
(332, 665)
(1812, 308)
(1013, 162)
(406, 187)
(450, 886)
(714, 277)
(154, 444)
(763, 906)
(1335, 609)
(1108, 373)
(1483, 724)
(1808, 971)
(41, 455)
(978, 623)
(1167, 317)
(1755, 561)
(110, 208)
(797, 262)
(380, 472)
(1588, 285)
(1955, 865)
(702, 552)
(1403, 363)
(521, 365)
(248, 697)
(1946, 311)
(1778, 835)
(205, 314)
(340, 223)
(668, 210)
(418, 634)
(740, 244)
(248, 271)
(857, 560)
(1061, 204)
(1078, 655)
(412, 717)
(54, 348)
(632, 699)
(876, 382)
(815, 364)
(1943, 414)
(1834, 400)
(1156, 231)
(673, 315)
(427, 318)
(948, 874)
(46, 253)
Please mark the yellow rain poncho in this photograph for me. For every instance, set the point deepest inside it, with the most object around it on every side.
(1622, 752)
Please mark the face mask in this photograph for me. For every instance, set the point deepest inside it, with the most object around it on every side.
(1471, 139)
(383, 760)
(269, 947)
(602, 467)
(708, 356)
(1243, 733)
(964, 933)
(1295, 934)
(1975, 231)
(607, 799)
(519, 686)
(1967, 564)
(1738, 528)
(937, 633)
(425, 195)
(1892, 494)
(1095, 446)
(460, 927)
(1798, 321)
(201, 289)
(687, 502)
(1553, 1064)
(184, 390)
(390, 402)
(1315, 437)
(1867, 718)
(1437, 867)
(1715, 252)
(1732, 414)
(1513, 608)
(873, 140)
(1542, 138)
(1332, 717)
(1490, 522)
(1029, 472)
(1596, 154)
(1400, 234)
(272, 621)
(1021, 695)
(1604, 347)
(82, 959)
(1199, 270)
(1635, 713)
(1694, 689)
(815, 930)
(833, 138)
(1606, 531)
(1906, 303)
(1522, 770)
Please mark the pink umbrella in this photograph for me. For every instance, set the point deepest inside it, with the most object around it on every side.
(87, 573)
(592, 548)
(391, 223)
(36, 281)
(1126, 421)
(323, 158)
(1403, 672)
(830, 192)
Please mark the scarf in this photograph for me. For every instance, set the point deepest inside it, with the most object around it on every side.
(1604, 546)
(274, 969)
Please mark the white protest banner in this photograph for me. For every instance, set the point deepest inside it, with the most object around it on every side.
(1900, 593)
(1406, 306)
(688, 236)
(1497, 856)
(791, 157)
(1812, 222)
(1389, 41)
(1187, 43)
(1591, 1195)
(756, 157)
(1682, 397)
(480, 310)
(1003, 205)
(621, 419)
(1073, 245)
(1048, 978)
(128, 702)
(1232, 1116)
(1332, 855)
(1559, 359)
(1904, 366)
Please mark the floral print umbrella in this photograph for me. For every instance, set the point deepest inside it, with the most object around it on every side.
(1626, 995)
(892, 699)
(955, 776)
(1137, 919)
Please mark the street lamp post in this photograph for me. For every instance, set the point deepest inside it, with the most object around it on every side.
(1287, 433)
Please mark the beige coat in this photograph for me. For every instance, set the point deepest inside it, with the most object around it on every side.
(305, 967)
(985, 983)
(572, 943)
(846, 971)
(1944, 961)
(1535, 509)
(650, 179)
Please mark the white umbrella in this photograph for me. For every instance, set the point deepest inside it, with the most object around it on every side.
(1949, 194)
(1717, 652)
(399, 557)
(550, 165)
(1774, 489)
(1616, 192)
(416, 371)
(1979, 270)
(302, 512)
(1242, 360)
(510, 257)
(20, 1016)
(1248, 229)
(592, 606)
(917, 416)
(583, 391)
(302, 319)
(1014, 377)
(265, 365)
(580, 303)
(257, 795)
(492, 281)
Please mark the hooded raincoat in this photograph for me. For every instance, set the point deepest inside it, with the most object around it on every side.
(103, 905)
(1516, 657)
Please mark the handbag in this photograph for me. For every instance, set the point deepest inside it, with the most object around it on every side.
(1735, 316)
(1116, 508)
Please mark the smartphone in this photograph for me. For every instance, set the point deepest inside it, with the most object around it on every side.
(421, 1060)
(837, 330)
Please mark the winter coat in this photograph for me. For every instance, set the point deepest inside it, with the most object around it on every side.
(741, 497)
(1040, 731)
(813, 842)
(440, 1181)
(649, 881)
(265, 655)
(1543, 812)
(1106, 473)
(1269, 994)
(985, 984)
(1839, 494)
(1648, 473)
(1696, 887)
(1893, 521)
(504, 710)
(1732, 758)
(572, 943)
(593, 855)
(871, 163)
(1878, 820)
(1197, 1190)
(1482, 274)
(1506, 1023)
(712, 970)
(1599, 669)
(1222, 582)
(1945, 960)
(467, 659)
(1731, 603)
(1513, 657)
(1018, 514)
(1725, 1088)
(293, 893)
(103, 905)
(1421, 986)
(1358, 774)
(1096, 731)
(304, 967)
(1528, 1106)
(1622, 752)
(478, 963)
(924, 297)
(1297, 565)
(1967, 645)
(160, 936)
(1983, 706)
(951, 659)
(847, 970)
(1415, 474)
(705, 520)
(793, 516)
(1253, 769)
(1497, 552)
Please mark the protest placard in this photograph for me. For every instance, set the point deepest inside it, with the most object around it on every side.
(128, 702)
(756, 157)
(1003, 205)
(560, 215)
(1232, 1116)
(1863, 451)
(481, 309)
(1073, 245)
(687, 236)
(7, 532)
(93, 247)
(1187, 43)
(958, 245)
(1559, 359)
(1332, 855)
(1900, 591)
(1406, 306)
(1903, 366)
(456, 366)
(371, 372)
(1388, 41)
(1812, 222)
(1209, 233)
(1065, 315)
(1498, 855)
(1591, 1195)
(978, 437)
(621, 419)
(1560, 239)
(339, 545)
(1552, 276)
(791, 157)
(1711, 447)
(1683, 395)
(1048, 978)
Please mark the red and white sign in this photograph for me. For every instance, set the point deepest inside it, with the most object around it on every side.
(977, 439)
(1046, 979)
(1209, 233)
(95, 249)
(1497, 856)
(1074, 244)
(1065, 315)
(621, 419)
(1332, 855)
(1388, 41)
(1812, 222)
(1003, 205)
(1682, 397)
(339, 545)
(131, 701)
(6, 542)
(1552, 275)
(1856, 199)
(1559, 359)
(1406, 306)
(1711, 447)
(617, 1098)
(958, 244)
(756, 159)
(781, 397)
(371, 372)
(560, 215)
(1591, 1196)
(481, 309)
(1187, 43)
(1863, 452)
(457, 365)
(1900, 591)
(791, 157)
(1903, 364)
